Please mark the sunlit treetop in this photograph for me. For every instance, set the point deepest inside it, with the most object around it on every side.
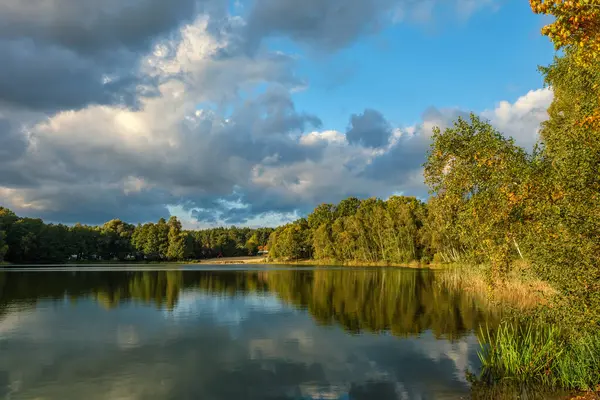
(576, 25)
(576, 30)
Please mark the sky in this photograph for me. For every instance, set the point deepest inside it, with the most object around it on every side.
(248, 113)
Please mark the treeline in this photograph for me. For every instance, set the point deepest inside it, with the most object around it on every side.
(368, 231)
(29, 240)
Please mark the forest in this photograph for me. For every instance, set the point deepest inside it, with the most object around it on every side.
(29, 240)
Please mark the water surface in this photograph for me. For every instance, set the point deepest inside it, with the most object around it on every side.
(235, 333)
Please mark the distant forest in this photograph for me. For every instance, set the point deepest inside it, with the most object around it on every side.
(29, 240)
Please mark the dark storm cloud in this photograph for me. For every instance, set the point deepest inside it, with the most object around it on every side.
(369, 129)
(328, 25)
(206, 216)
(90, 26)
(12, 142)
(65, 54)
(52, 78)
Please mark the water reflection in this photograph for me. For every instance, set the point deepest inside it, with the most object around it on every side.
(354, 334)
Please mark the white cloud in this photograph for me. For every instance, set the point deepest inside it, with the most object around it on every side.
(521, 119)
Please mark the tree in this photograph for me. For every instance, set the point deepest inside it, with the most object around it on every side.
(117, 239)
(151, 242)
(291, 242)
(177, 242)
(252, 245)
(480, 179)
(565, 239)
(576, 26)
(162, 232)
(322, 214)
(576, 29)
(323, 243)
(7, 219)
(347, 207)
(3, 245)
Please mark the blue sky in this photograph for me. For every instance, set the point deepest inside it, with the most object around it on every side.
(469, 64)
(248, 112)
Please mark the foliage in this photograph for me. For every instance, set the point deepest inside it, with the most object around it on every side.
(370, 230)
(576, 29)
(565, 231)
(479, 181)
(291, 241)
(3, 245)
(176, 239)
(576, 26)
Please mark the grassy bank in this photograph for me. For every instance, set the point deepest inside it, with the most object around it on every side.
(521, 290)
(528, 349)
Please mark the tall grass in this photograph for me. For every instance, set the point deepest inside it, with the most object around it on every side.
(520, 291)
(540, 355)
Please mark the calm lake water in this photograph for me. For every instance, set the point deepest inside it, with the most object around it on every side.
(227, 333)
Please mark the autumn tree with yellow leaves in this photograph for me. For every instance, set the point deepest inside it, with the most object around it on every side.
(576, 30)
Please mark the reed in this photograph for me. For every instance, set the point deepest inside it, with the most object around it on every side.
(528, 353)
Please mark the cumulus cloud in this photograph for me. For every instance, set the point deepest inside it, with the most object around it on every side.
(70, 53)
(521, 120)
(12, 143)
(103, 160)
(134, 109)
(224, 170)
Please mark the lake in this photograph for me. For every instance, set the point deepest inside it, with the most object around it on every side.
(235, 333)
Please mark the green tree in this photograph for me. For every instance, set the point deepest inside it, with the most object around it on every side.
(177, 242)
(481, 180)
(322, 242)
(162, 232)
(322, 214)
(291, 242)
(565, 239)
(117, 239)
(151, 242)
(347, 207)
(3, 245)
(252, 245)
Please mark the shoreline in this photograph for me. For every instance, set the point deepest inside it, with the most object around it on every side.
(242, 260)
